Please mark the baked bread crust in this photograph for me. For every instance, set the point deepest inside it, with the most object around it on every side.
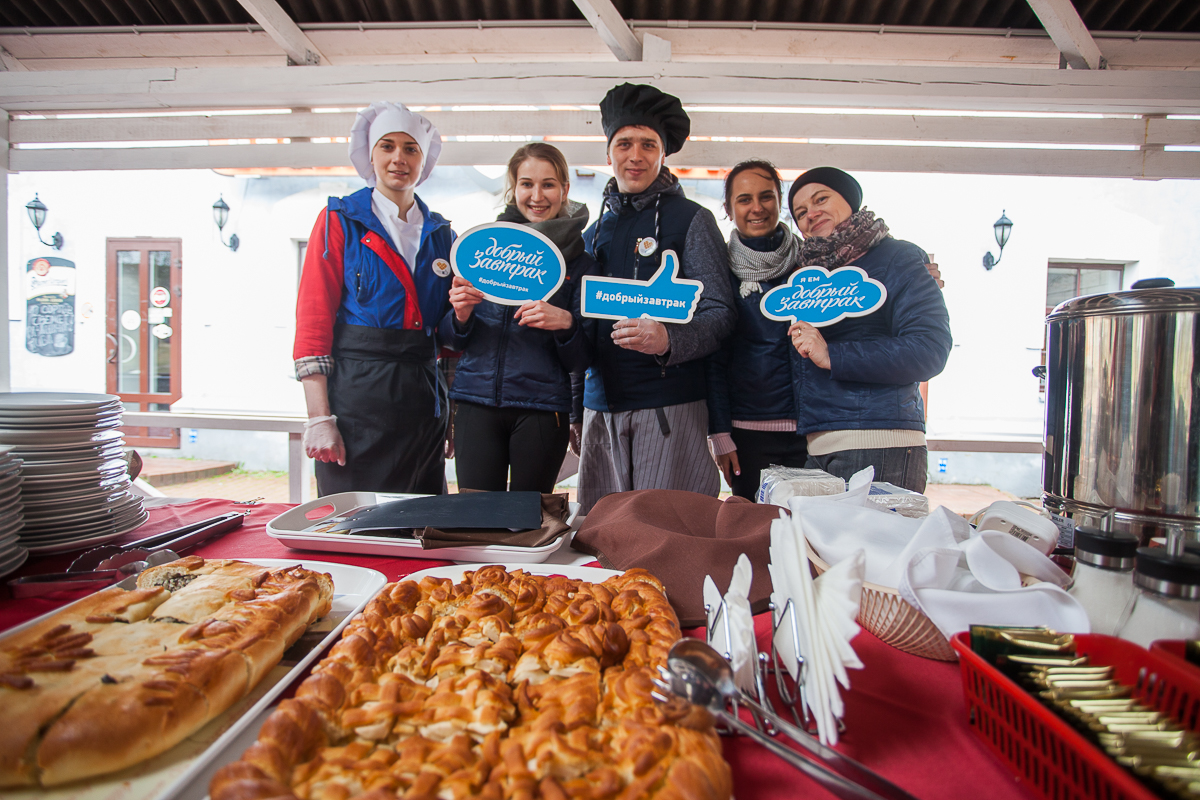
(110, 681)
(504, 685)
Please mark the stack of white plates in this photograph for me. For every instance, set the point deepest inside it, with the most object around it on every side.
(12, 554)
(75, 487)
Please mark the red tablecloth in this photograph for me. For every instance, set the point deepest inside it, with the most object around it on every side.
(905, 716)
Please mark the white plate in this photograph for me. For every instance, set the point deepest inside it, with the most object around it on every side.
(13, 561)
(105, 513)
(46, 438)
(39, 469)
(289, 527)
(35, 483)
(98, 524)
(185, 770)
(49, 401)
(48, 510)
(68, 457)
(73, 442)
(52, 418)
(69, 496)
(80, 544)
(9, 426)
(65, 411)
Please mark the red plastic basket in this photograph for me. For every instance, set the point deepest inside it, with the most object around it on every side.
(1174, 650)
(1042, 749)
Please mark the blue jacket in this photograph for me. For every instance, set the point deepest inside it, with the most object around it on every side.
(354, 276)
(751, 376)
(878, 360)
(504, 364)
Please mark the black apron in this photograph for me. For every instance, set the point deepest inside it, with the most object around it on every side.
(392, 410)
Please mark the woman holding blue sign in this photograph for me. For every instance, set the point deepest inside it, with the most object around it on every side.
(374, 289)
(857, 396)
(512, 385)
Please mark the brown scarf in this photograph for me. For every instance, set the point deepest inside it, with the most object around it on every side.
(851, 239)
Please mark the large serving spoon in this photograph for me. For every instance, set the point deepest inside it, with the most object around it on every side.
(698, 673)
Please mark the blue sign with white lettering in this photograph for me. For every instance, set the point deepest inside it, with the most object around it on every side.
(511, 264)
(820, 297)
(665, 297)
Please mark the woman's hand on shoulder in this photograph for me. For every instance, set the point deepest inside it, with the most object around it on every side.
(809, 343)
(935, 273)
(464, 297)
(545, 316)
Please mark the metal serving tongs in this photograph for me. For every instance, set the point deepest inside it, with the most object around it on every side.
(103, 566)
(698, 673)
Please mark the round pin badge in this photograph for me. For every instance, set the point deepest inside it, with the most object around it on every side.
(442, 267)
(647, 246)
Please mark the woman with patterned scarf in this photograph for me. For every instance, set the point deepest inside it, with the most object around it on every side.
(856, 393)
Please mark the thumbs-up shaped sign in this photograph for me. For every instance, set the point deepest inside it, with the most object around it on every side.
(665, 297)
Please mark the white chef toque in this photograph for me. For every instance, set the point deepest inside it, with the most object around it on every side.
(378, 120)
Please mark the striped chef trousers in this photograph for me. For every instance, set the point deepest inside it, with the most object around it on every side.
(628, 450)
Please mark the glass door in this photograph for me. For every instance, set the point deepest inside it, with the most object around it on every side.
(144, 318)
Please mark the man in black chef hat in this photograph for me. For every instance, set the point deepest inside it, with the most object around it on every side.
(645, 423)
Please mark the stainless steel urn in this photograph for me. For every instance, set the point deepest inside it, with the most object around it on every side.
(1123, 412)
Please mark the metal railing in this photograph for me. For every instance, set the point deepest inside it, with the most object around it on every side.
(299, 466)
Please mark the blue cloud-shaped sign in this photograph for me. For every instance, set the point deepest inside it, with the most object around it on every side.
(820, 297)
(511, 264)
(665, 297)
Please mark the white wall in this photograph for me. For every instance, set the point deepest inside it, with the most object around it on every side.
(239, 307)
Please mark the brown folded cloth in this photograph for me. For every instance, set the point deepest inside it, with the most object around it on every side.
(555, 511)
(680, 537)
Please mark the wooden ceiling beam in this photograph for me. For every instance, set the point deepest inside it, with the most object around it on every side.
(612, 28)
(711, 155)
(1070, 35)
(1130, 132)
(286, 33)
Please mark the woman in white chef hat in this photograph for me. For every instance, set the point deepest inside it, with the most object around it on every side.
(374, 289)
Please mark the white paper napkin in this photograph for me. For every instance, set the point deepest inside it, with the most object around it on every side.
(825, 610)
(739, 642)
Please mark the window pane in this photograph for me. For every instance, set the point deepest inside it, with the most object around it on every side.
(129, 320)
(1097, 281)
(162, 328)
(1060, 285)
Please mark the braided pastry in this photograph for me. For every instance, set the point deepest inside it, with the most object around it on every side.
(503, 685)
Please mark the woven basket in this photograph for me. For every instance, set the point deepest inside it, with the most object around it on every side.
(886, 614)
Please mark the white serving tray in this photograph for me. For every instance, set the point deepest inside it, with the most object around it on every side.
(184, 770)
(231, 747)
(289, 527)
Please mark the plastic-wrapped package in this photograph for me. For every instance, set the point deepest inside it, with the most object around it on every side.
(896, 498)
(779, 484)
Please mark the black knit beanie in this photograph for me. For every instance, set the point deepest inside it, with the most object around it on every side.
(841, 182)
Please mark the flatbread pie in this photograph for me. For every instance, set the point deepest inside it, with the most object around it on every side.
(123, 675)
(504, 685)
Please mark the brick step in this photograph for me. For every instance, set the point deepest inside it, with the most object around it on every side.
(168, 471)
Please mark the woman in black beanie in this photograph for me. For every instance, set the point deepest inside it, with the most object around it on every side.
(857, 395)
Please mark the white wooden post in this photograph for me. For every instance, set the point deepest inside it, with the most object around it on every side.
(5, 377)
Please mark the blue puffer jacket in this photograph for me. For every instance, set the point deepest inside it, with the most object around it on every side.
(505, 364)
(878, 360)
(751, 376)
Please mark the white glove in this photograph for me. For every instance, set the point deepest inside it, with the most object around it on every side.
(323, 441)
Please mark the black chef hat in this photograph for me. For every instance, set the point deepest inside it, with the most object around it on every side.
(639, 104)
(841, 182)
